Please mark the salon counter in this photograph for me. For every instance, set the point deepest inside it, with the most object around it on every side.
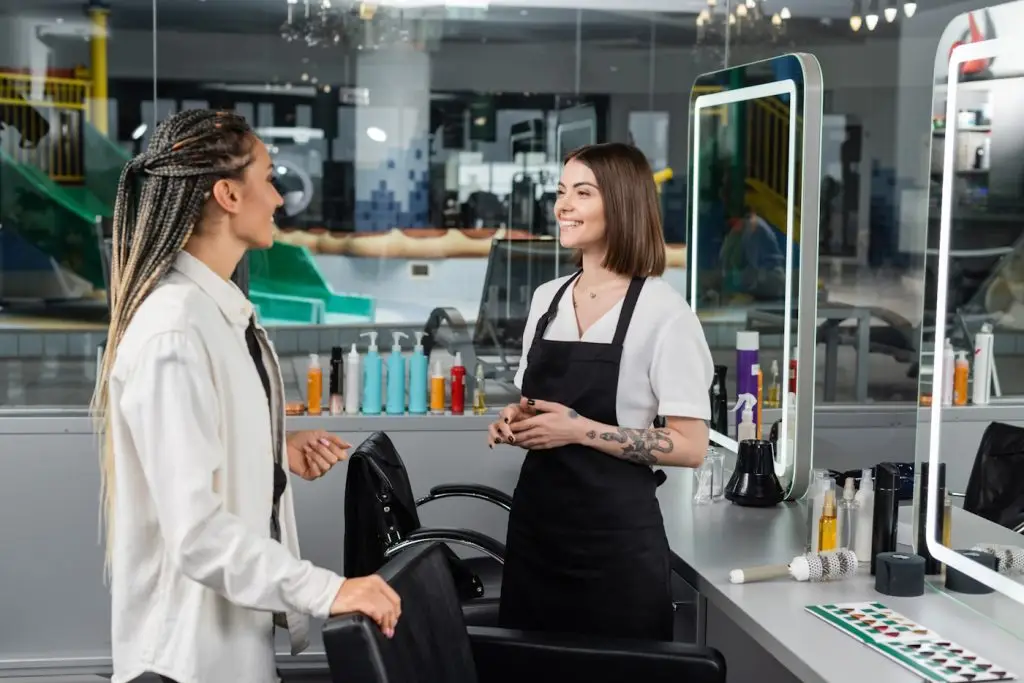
(56, 609)
(763, 630)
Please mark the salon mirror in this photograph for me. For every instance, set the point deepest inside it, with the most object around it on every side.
(970, 448)
(755, 158)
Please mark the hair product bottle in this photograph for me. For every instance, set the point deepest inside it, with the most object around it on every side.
(314, 385)
(353, 382)
(372, 374)
(437, 390)
(458, 374)
(827, 524)
(335, 382)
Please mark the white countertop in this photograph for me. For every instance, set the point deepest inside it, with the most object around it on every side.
(712, 539)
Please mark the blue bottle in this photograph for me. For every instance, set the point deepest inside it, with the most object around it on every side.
(419, 377)
(372, 371)
(396, 376)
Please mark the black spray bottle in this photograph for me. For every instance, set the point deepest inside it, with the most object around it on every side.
(886, 515)
(719, 401)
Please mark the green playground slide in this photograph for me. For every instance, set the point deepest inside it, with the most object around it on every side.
(285, 283)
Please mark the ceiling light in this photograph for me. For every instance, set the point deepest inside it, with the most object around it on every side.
(139, 132)
(855, 22)
(785, 14)
(872, 21)
(741, 11)
(891, 11)
(909, 7)
(751, 4)
(776, 20)
(376, 134)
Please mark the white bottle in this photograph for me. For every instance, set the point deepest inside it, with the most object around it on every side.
(865, 517)
(983, 343)
(947, 373)
(353, 382)
(746, 429)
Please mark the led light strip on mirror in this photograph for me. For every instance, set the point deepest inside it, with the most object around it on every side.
(1004, 49)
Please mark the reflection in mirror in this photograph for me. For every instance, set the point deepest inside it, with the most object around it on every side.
(754, 169)
(970, 449)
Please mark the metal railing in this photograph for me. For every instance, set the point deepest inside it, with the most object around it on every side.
(48, 114)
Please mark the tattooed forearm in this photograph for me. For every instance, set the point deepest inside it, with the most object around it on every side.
(638, 445)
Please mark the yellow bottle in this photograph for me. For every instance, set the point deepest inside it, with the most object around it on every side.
(437, 388)
(314, 385)
(827, 526)
(479, 398)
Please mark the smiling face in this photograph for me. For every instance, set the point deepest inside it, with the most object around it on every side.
(579, 209)
(252, 220)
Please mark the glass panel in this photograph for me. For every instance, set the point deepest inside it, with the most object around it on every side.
(754, 173)
(970, 473)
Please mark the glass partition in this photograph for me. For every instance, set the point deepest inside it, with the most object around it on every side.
(754, 179)
(970, 454)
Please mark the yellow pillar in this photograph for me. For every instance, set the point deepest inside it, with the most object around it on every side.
(98, 15)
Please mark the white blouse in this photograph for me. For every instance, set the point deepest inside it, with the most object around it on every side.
(666, 366)
(195, 575)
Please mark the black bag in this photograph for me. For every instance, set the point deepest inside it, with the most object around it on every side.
(380, 511)
(995, 490)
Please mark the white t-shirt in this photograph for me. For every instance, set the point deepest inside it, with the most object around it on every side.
(666, 366)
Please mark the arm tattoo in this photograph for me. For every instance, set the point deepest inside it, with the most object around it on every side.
(639, 445)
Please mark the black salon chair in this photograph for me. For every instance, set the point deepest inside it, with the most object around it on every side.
(381, 520)
(995, 489)
(432, 643)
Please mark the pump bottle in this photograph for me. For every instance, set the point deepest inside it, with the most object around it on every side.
(865, 514)
(353, 382)
(314, 385)
(396, 376)
(419, 374)
(372, 372)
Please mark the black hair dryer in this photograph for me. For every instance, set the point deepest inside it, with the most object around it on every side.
(719, 401)
(753, 482)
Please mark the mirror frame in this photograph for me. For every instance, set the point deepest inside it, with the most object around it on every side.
(962, 53)
(807, 287)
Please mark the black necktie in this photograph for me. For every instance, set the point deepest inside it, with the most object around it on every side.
(280, 480)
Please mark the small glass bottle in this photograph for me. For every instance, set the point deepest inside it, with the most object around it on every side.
(716, 460)
(702, 483)
(846, 516)
(815, 499)
(479, 398)
(827, 531)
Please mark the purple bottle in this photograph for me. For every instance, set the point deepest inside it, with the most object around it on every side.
(747, 347)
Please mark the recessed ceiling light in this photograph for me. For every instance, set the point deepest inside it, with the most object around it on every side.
(376, 134)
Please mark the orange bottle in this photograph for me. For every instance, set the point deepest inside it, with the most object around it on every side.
(437, 390)
(314, 385)
(960, 371)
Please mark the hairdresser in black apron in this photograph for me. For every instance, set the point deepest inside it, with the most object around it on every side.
(605, 352)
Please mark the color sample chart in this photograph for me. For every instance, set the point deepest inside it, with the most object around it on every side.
(910, 644)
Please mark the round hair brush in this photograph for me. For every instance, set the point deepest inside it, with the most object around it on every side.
(1009, 558)
(815, 567)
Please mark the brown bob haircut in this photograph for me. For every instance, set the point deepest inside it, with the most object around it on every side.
(632, 212)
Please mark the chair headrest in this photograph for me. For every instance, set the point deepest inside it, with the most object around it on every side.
(430, 643)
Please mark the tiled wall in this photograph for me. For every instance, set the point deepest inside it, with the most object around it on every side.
(398, 190)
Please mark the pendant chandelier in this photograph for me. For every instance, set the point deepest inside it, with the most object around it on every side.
(348, 24)
(743, 21)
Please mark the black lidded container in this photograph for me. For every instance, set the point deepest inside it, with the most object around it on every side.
(886, 513)
(719, 401)
(931, 565)
(337, 379)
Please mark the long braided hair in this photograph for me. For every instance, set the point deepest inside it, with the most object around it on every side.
(160, 197)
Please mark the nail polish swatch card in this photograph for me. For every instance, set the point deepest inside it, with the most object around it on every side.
(909, 644)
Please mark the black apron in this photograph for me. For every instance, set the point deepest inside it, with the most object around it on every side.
(586, 546)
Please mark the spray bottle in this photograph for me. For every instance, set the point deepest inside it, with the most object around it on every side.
(983, 344)
(372, 372)
(419, 371)
(960, 372)
(746, 429)
(947, 373)
(353, 382)
(396, 376)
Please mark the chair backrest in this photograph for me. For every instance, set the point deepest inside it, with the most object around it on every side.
(995, 489)
(430, 643)
(379, 505)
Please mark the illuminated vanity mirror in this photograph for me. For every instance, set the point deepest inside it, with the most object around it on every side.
(970, 450)
(753, 203)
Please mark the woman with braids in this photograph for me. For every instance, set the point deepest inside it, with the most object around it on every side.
(201, 534)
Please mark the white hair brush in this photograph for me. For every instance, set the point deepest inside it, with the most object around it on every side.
(1009, 558)
(815, 567)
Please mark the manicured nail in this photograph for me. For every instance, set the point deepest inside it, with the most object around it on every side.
(511, 439)
(497, 440)
(506, 420)
(325, 442)
(530, 402)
